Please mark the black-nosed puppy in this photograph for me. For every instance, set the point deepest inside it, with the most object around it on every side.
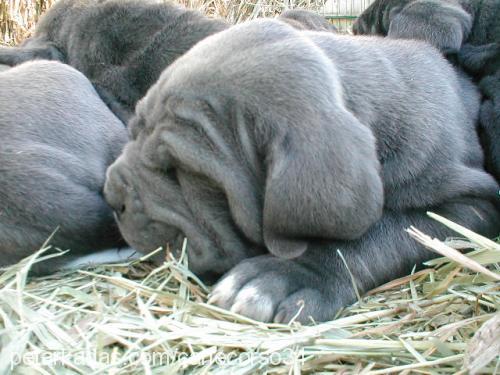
(58, 138)
(291, 144)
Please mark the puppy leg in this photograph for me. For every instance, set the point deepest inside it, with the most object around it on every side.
(17, 55)
(268, 288)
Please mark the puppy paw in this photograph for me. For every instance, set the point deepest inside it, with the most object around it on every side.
(271, 289)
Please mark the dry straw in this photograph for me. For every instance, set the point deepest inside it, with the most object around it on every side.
(134, 319)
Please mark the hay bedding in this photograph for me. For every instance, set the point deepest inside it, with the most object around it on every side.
(133, 319)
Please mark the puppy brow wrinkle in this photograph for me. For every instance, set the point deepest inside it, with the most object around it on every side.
(201, 119)
(246, 141)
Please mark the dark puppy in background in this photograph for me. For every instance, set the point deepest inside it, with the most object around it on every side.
(467, 31)
(291, 144)
(122, 46)
(58, 138)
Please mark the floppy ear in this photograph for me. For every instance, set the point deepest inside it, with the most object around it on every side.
(201, 145)
(286, 180)
(322, 182)
(444, 25)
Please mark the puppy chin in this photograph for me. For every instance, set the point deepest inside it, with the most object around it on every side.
(148, 241)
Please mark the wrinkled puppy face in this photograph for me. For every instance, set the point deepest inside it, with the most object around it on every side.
(244, 143)
(156, 203)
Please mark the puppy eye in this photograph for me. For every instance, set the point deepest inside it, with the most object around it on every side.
(172, 174)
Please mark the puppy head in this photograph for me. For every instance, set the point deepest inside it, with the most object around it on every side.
(156, 204)
(251, 122)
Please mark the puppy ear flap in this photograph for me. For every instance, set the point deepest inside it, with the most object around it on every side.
(444, 25)
(287, 181)
(323, 182)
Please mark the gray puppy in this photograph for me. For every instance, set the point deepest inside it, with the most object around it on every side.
(58, 138)
(122, 46)
(467, 31)
(263, 139)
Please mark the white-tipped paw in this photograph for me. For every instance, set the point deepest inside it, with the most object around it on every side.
(269, 289)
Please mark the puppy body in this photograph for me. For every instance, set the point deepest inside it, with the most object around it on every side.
(58, 138)
(468, 31)
(299, 144)
(467, 28)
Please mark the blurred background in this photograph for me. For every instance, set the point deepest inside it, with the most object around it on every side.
(18, 17)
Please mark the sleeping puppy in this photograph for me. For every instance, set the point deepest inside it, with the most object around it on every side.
(121, 46)
(58, 138)
(266, 140)
(467, 31)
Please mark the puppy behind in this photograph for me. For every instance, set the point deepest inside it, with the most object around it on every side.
(121, 46)
(58, 138)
